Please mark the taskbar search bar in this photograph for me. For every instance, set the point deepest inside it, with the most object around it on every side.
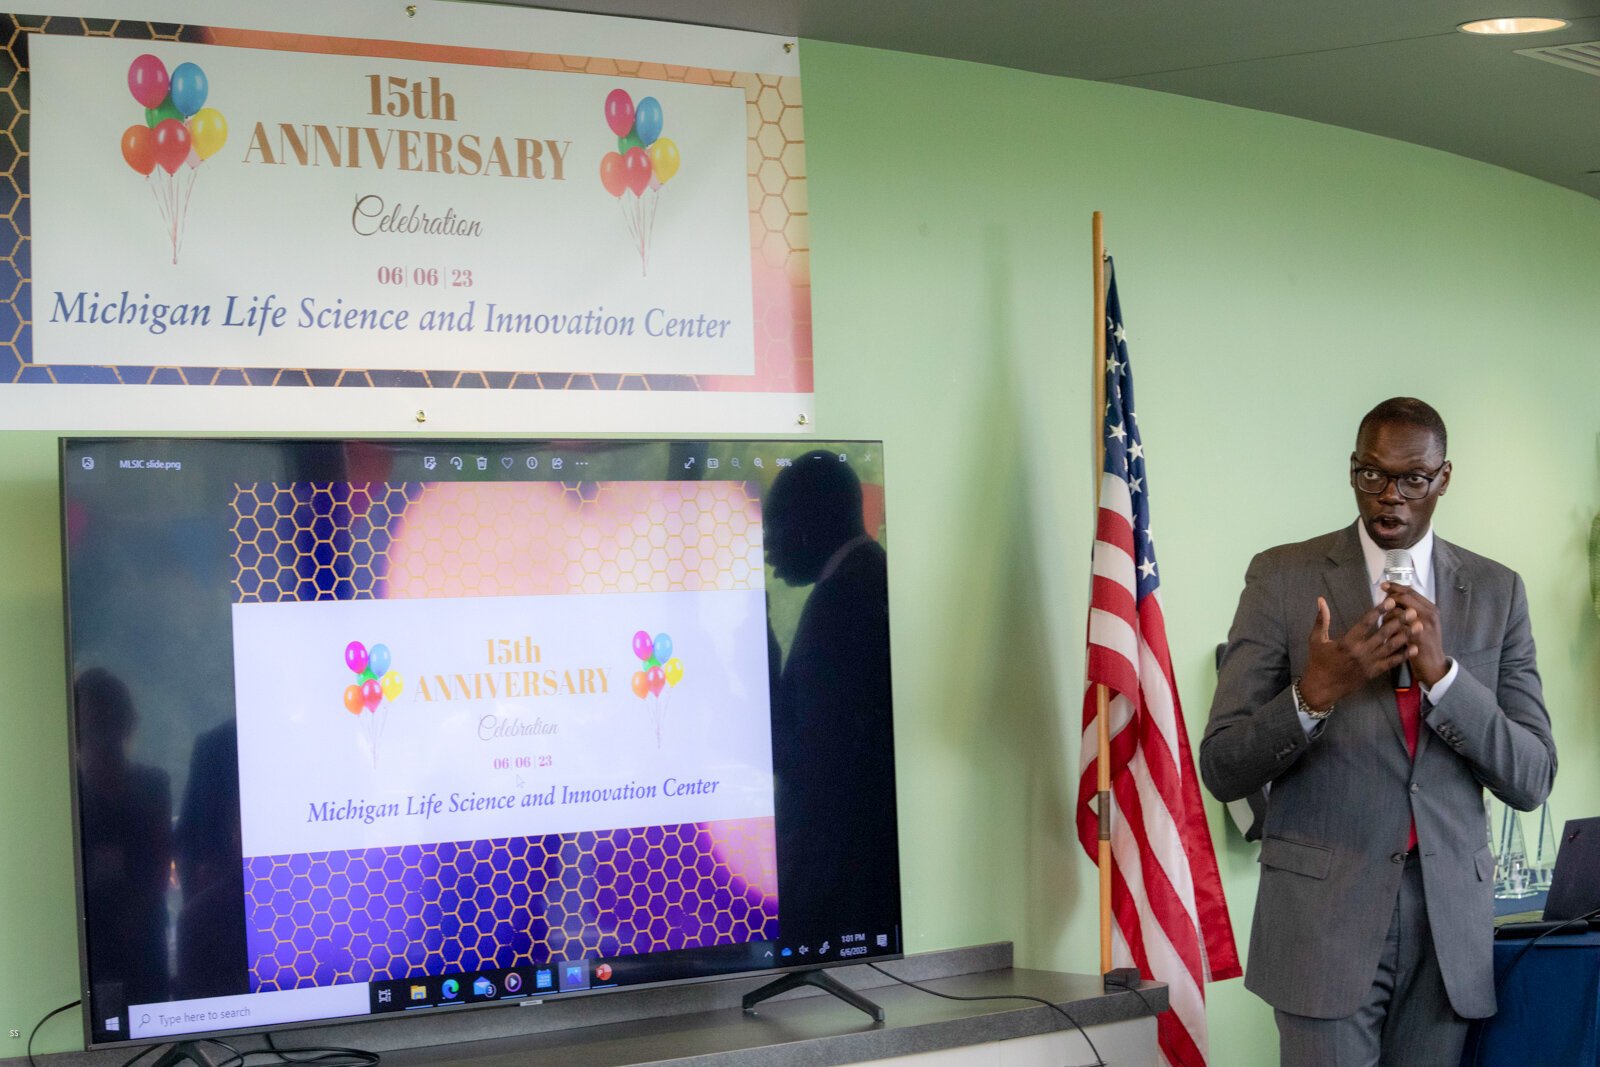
(249, 1010)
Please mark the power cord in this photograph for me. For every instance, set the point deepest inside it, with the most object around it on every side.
(323, 1056)
(41, 1022)
(1129, 979)
(272, 1056)
(1099, 1061)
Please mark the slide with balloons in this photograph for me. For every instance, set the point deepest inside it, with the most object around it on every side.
(500, 688)
(381, 722)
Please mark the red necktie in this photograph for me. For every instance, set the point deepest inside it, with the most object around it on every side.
(1409, 701)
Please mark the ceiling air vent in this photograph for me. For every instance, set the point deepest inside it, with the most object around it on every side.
(1584, 57)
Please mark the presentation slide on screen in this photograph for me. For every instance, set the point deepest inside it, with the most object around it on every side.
(484, 725)
(376, 723)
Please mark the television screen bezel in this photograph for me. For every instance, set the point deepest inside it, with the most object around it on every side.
(68, 442)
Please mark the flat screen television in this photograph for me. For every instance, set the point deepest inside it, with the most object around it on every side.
(385, 726)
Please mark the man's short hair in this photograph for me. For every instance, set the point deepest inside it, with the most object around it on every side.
(1406, 411)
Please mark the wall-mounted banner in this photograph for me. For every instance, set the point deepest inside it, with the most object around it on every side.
(606, 231)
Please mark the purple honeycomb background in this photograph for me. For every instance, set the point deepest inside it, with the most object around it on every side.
(322, 918)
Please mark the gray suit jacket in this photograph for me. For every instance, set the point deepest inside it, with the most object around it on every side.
(1342, 800)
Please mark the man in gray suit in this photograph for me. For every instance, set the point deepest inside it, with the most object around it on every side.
(1373, 933)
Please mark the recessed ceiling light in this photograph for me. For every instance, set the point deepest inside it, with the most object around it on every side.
(1512, 25)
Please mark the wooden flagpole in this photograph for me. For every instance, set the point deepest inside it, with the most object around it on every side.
(1102, 697)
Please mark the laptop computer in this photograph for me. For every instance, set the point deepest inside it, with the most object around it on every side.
(1574, 886)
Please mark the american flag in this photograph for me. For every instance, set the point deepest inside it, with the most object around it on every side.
(1169, 917)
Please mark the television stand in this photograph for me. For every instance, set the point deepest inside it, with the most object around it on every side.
(794, 980)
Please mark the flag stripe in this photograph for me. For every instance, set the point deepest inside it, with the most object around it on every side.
(1111, 669)
(1115, 531)
(1117, 635)
(1112, 596)
(1171, 920)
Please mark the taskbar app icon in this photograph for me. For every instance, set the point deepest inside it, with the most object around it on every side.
(498, 985)
(574, 975)
(424, 991)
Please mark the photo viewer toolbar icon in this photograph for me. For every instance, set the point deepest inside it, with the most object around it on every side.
(574, 975)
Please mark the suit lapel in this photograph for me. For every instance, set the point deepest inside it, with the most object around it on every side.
(1452, 591)
(1453, 596)
(1350, 594)
(1349, 590)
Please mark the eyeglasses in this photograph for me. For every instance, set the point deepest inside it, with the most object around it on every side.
(1413, 485)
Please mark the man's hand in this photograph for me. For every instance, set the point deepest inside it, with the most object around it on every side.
(1375, 645)
(1425, 644)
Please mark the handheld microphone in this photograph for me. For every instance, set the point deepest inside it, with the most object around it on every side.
(1399, 570)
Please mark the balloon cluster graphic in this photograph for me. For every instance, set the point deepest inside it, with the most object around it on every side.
(178, 131)
(375, 683)
(643, 162)
(659, 671)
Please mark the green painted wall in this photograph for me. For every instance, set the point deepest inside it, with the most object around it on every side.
(1278, 278)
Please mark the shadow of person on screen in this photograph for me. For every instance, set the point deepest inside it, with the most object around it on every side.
(126, 823)
(833, 736)
(211, 941)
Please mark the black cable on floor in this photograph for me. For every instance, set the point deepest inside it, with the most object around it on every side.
(1099, 1061)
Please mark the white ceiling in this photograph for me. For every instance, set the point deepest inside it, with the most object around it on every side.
(1398, 68)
